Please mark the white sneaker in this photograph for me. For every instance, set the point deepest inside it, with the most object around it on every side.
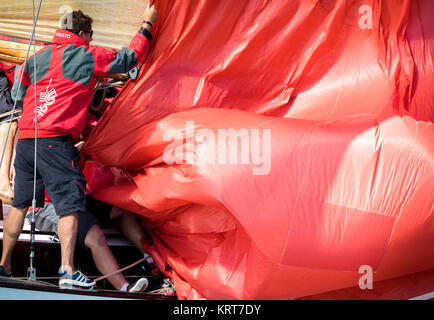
(77, 280)
(139, 286)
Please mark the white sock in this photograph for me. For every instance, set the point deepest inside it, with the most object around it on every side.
(125, 286)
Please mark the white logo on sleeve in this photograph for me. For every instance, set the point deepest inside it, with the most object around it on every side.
(47, 98)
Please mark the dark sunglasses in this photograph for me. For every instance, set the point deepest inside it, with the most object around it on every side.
(89, 32)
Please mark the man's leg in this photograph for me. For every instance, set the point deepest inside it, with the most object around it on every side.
(6, 192)
(13, 225)
(130, 225)
(14, 152)
(103, 257)
(24, 184)
(67, 231)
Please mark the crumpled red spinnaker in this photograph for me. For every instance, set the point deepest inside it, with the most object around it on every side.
(339, 108)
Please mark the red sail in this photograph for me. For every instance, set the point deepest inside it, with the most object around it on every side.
(278, 149)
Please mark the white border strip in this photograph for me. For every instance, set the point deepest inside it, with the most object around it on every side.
(426, 296)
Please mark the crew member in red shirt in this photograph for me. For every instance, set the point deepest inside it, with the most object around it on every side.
(65, 77)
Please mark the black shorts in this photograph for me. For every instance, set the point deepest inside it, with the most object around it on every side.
(97, 213)
(57, 171)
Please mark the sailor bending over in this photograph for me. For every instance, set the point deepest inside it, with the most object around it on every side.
(89, 235)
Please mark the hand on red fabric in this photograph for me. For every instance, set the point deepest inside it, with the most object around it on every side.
(150, 14)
